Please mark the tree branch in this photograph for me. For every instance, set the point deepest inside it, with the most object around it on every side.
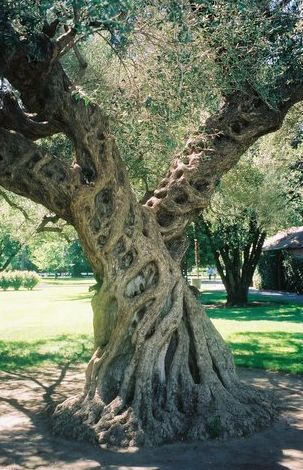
(14, 205)
(64, 42)
(13, 117)
(192, 177)
(26, 169)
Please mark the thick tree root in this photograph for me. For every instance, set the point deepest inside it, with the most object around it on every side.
(116, 426)
(179, 384)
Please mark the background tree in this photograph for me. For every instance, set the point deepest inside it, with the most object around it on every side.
(205, 255)
(261, 195)
(26, 227)
(19, 219)
(158, 360)
(54, 254)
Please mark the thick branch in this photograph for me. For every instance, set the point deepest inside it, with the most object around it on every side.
(192, 177)
(28, 170)
(13, 117)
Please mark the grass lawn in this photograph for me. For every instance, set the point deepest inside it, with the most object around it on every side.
(265, 335)
(53, 324)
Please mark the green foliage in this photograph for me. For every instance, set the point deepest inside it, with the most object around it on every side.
(254, 43)
(268, 271)
(293, 273)
(19, 220)
(206, 258)
(17, 279)
(51, 256)
(153, 95)
(280, 270)
(29, 16)
(76, 259)
(8, 246)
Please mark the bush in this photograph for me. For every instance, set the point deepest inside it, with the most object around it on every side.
(4, 281)
(17, 279)
(268, 271)
(280, 271)
(293, 273)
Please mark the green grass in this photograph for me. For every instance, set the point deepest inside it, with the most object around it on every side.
(50, 325)
(53, 325)
(266, 334)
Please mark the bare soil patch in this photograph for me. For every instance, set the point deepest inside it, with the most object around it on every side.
(27, 443)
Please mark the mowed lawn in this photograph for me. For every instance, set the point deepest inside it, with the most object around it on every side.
(53, 325)
(267, 334)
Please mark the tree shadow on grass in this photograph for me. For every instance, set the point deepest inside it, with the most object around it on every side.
(16, 355)
(84, 296)
(274, 350)
(270, 312)
(218, 297)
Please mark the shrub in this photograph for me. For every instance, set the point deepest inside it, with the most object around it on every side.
(293, 273)
(268, 271)
(280, 271)
(4, 281)
(17, 279)
(31, 279)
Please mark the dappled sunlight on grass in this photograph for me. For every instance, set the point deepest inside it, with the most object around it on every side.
(269, 312)
(265, 334)
(54, 324)
(212, 297)
(56, 351)
(275, 350)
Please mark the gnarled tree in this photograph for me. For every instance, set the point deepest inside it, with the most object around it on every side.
(160, 370)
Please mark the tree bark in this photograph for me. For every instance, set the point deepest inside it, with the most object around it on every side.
(160, 370)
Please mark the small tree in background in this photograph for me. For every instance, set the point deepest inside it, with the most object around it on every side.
(259, 196)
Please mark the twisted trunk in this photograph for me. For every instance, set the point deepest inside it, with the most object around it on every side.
(160, 370)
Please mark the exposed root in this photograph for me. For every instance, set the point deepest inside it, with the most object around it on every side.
(179, 384)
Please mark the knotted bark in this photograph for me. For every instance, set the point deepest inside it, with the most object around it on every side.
(160, 370)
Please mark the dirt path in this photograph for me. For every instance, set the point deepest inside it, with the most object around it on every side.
(26, 443)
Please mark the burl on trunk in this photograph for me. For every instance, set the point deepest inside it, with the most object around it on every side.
(160, 370)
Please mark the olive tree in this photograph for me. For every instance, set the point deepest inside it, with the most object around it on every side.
(160, 370)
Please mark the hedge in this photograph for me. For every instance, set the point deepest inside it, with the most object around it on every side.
(272, 264)
(293, 273)
(17, 279)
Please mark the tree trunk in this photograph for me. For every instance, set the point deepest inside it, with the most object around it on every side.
(237, 295)
(160, 371)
